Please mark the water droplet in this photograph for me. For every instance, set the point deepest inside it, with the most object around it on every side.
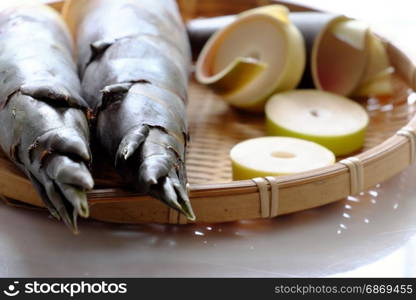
(373, 193)
(199, 233)
(347, 206)
(366, 221)
(209, 228)
(373, 107)
(396, 206)
(378, 185)
(343, 226)
(387, 107)
(411, 99)
(345, 215)
(373, 201)
(152, 240)
(353, 199)
(372, 100)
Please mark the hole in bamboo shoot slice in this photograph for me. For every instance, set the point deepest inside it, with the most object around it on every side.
(282, 154)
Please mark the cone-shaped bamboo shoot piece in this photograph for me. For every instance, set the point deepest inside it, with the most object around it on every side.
(265, 37)
(349, 59)
(134, 59)
(43, 126)
(339, 56)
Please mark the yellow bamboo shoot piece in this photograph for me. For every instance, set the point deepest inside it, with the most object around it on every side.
(258, 54)
(275, 156)
(377, 78)
(333, 121)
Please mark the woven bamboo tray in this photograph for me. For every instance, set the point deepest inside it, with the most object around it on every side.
(215, 128)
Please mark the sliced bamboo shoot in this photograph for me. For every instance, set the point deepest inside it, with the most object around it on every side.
(333, 121)
(275, 156)
(263, 35)
(236, 75)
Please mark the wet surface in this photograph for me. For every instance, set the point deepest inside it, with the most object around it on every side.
(370, 235)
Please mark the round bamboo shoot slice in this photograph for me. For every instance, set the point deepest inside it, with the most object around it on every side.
(333, 121)
(267, 38)
(275, 156)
